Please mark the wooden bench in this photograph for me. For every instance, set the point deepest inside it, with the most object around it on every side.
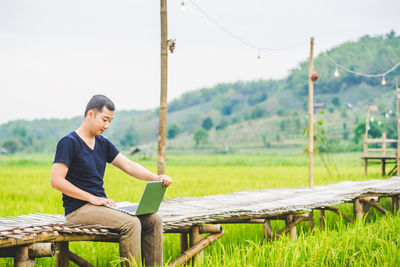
(192, 217)
(383, 158)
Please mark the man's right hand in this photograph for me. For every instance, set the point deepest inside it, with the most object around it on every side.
(101, 201)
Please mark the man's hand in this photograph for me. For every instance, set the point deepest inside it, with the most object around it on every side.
(165, 179)
(101, 201)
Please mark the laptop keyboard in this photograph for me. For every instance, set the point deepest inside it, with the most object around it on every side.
(132, 208)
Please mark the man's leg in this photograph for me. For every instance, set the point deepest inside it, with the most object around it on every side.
(128, 226)
(152, 231)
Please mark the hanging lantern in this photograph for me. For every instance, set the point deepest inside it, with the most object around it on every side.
(314, 77)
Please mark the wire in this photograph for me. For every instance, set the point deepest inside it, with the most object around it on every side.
(360, 73)
(238, 38)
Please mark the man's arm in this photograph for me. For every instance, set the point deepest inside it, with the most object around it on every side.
(58, 181)
(138, 171)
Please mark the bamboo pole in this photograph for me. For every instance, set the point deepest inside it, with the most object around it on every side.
(78, 260)
(162, 122)
(22, 258)
(311, 117)
(322, 219)
(195, 237)
(398, 128)
(292, 231)
(357, 209)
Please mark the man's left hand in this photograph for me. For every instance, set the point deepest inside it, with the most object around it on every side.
(165, 179)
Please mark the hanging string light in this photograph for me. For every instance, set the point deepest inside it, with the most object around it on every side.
(360, 73)
(183, 5)
(336, 72)
(259, 56)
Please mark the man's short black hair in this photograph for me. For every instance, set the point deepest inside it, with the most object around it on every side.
(98, 102)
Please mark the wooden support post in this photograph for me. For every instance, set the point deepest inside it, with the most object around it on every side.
(22, 259)
(195, 237)
(184, 242)
(384, 144)
(311, 220)
(311, 117)
(162, 121)
(398, 128)
(268, 232)
(292, 230)
(322, 219)
(393, 201)
(62, 254)
(365, 166)
(357, 206)
(383, 166)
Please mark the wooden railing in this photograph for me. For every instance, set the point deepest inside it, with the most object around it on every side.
(383, 141)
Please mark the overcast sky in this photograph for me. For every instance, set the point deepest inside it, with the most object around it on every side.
(54, 55)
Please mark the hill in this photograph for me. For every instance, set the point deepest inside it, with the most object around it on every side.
(261, 113)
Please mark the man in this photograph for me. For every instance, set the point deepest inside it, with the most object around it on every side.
(78, 172)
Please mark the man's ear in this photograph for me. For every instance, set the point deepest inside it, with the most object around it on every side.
(90, 113)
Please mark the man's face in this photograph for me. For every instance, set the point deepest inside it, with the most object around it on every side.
(100, 121)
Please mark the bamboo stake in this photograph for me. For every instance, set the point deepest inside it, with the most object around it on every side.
(162, 122)
(199, 246)
(311, 117)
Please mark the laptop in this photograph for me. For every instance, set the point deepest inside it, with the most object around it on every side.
(149, 202)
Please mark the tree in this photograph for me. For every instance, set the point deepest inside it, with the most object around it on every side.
(11, 145)
(207, 123)
(222, 125)
(200, 136)
(336, 101)
(257, 112)
(173, 130)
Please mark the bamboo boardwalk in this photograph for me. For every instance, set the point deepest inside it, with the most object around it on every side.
(195, 216)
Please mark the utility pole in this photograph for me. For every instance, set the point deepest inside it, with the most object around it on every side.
(311, 117)
(398, 128)
(162, 121)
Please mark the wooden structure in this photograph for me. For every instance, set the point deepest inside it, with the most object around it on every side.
(194, 216)
(383, 157)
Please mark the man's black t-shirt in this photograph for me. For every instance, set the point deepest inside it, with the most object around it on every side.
(86, 166)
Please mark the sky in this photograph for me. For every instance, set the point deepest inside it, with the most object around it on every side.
(54, 55)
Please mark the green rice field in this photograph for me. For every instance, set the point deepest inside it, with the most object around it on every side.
(25, 188)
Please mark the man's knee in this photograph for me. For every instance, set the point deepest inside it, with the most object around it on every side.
(156, 220)
(130, 226)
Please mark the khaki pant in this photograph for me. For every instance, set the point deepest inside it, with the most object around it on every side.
(142, 233)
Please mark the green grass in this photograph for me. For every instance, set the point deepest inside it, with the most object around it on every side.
(25, 189)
